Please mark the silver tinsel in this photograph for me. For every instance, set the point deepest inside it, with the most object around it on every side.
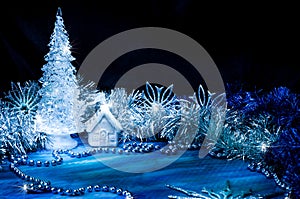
(17, 116)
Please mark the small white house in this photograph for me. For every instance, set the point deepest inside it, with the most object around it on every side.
(103, 128)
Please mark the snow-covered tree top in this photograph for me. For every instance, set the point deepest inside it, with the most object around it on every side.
(59, 43)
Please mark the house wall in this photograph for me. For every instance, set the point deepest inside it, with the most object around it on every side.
(104, 134)
(103, 124)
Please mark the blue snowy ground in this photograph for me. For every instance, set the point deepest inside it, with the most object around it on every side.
(187, 172)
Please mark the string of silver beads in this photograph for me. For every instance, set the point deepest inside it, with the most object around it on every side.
(264, 169)
(24, 160)
(173, 147)
(36, 185)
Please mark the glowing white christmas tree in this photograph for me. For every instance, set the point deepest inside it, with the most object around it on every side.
(56, 110)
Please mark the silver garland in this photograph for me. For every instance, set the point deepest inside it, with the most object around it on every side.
(17, 120)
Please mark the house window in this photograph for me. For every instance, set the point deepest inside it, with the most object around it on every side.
(112, 138)
(103, 134)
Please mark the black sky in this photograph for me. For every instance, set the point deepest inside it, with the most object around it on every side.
(253, 44)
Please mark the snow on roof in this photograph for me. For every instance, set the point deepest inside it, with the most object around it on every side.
(104, 112)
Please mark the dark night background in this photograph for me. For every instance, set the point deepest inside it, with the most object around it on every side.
(252, 44)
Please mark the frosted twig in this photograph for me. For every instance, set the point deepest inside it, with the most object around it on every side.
(183, 197)
(187, 192)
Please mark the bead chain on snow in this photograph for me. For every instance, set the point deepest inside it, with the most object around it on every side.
(264, 169)
(37, 185)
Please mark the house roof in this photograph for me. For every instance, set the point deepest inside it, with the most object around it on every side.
(98, 116)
